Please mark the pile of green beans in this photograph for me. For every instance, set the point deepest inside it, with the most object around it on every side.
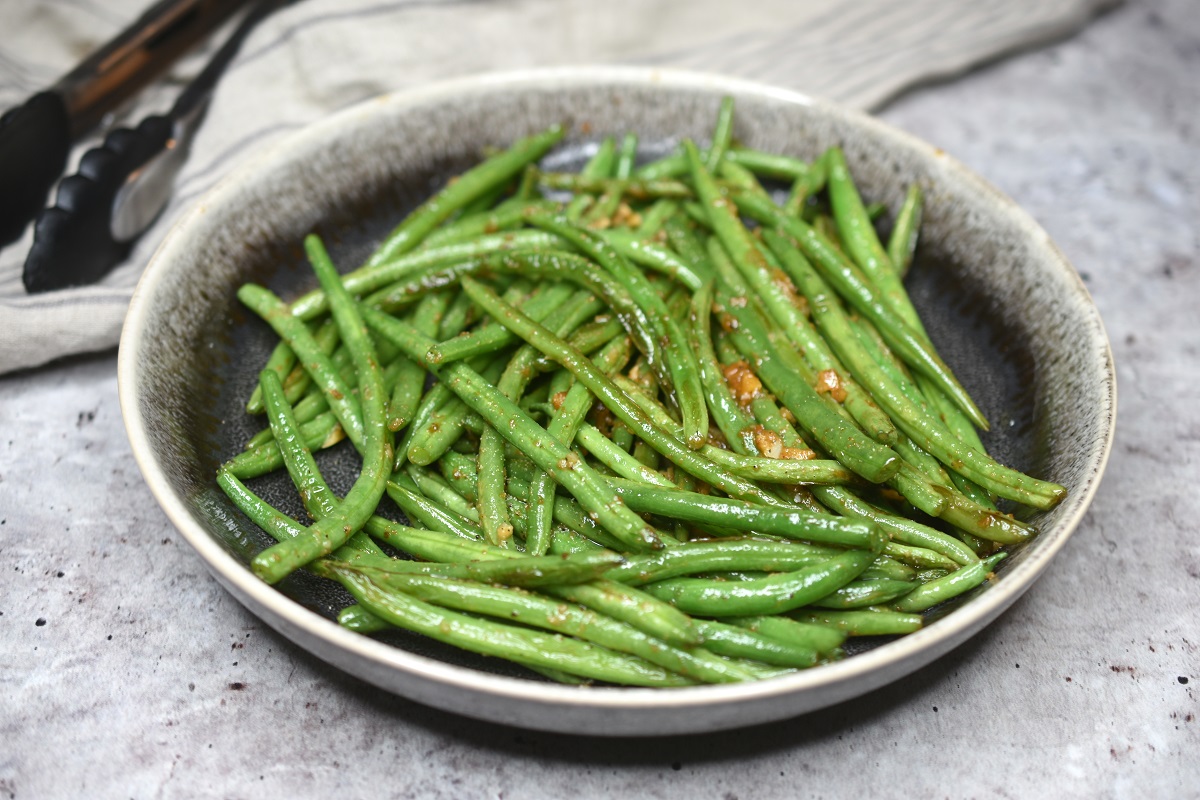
(664, 424)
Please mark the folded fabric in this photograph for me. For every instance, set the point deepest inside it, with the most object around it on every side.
(317, 56)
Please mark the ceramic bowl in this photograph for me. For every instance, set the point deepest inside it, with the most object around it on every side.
(1005, 308)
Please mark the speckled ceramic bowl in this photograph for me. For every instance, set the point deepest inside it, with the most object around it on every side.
(1004, 307)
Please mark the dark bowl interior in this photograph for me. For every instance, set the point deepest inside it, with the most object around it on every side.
(1004, 309)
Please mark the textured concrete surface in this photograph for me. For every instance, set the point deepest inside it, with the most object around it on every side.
(126, 671)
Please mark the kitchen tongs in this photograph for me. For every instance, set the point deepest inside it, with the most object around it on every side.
(122, 185)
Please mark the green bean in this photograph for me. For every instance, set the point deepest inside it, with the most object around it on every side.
(886, 273)
(433, 545)
(309, 408)
(857, 232)
(738, 177)
(724, 555)
(805, 185)
(831, 377)
(458, 317)
(902, 530)
(566, 512)
(771, 595)
(889, 568)
(358, 619)
(600, 165)
(430, 440)
(281, 361)
(425, 267)
(738, 515)
(862, 593)
(863, 622)
(902, 244)
(685, 242)
(669, 166)
(491, 486)
(278, 525)
(326, 535)
(735, 425)
(637, 188)
(722, 135)
(635, 607)
(462, 473)
(298, 381)
(956, 583)
(975, 509)
(769, 165)
(815, 637)
(919, 556)
(626, 155)
(929, 433)
(619, 461)
(435, 488)
(317, 498)
(530, 572)
(601, 212)
(983, 522)
(559, 265)
(735, 642)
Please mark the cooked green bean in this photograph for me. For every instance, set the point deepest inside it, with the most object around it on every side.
(522, 572)
(771, 595)
(729, 513)
(863, 622)
(735, 642)
(785, 629)
(902, 244)
(943, 589)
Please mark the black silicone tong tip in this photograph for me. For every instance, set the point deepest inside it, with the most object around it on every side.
(73, 243)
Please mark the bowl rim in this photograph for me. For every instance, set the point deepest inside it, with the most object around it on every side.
(938, 637)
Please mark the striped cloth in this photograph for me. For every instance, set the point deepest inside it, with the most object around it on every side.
(317, 56)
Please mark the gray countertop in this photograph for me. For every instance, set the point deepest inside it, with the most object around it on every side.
(125, 670)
